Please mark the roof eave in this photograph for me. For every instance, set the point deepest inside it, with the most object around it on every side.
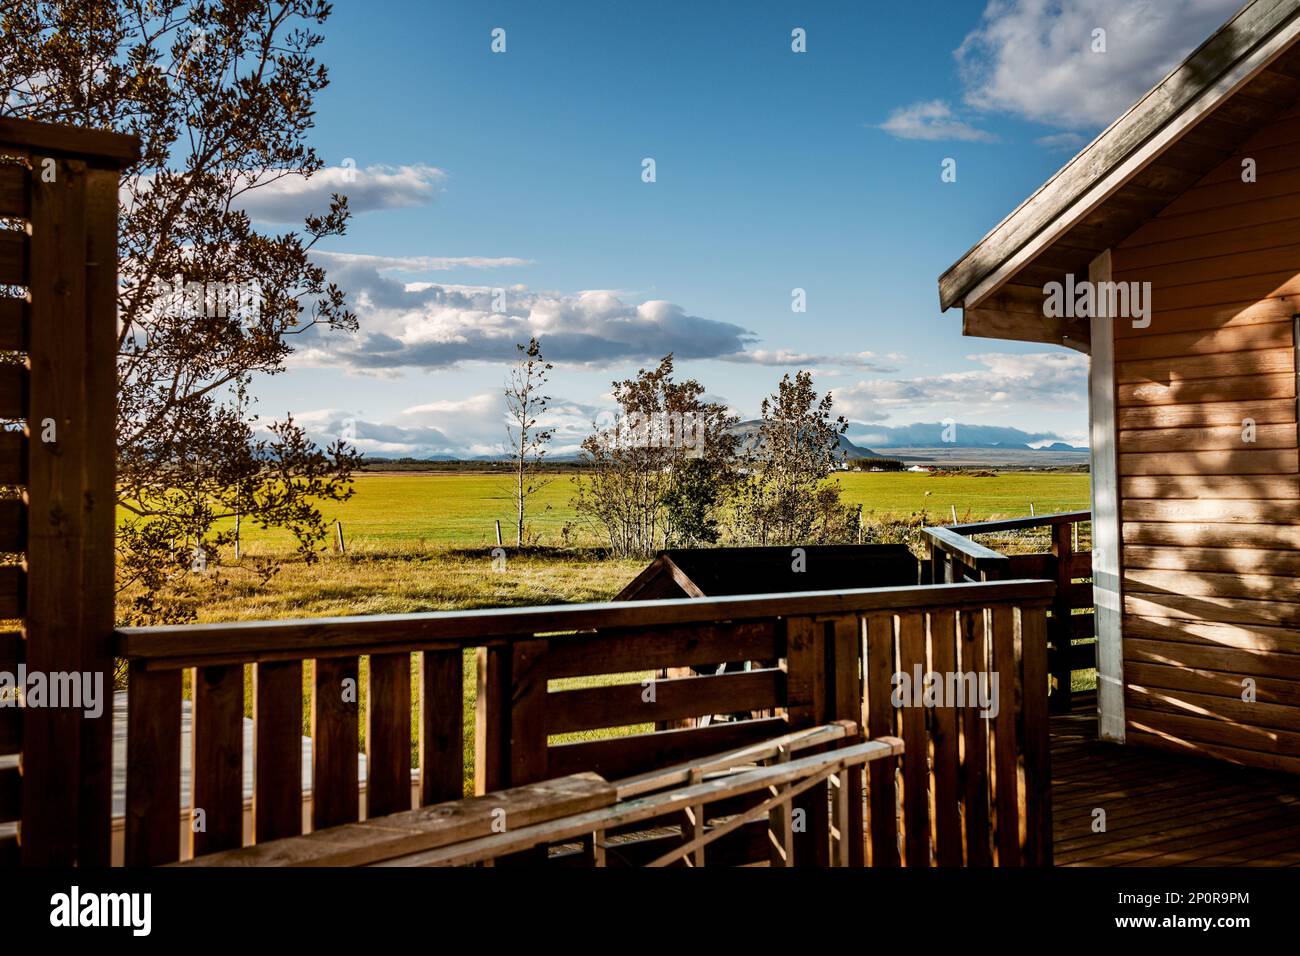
(1243, 46)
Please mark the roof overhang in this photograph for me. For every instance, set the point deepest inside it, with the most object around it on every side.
(1236, 81)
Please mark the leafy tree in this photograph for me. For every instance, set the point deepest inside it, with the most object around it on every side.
(786, 497)
(221, 95)
(525, 402)
(657, 474)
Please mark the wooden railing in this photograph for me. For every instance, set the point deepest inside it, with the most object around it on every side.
(954, 556)
(808, 658)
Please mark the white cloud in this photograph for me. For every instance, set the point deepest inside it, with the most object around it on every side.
(433, 325)
(1005, 381)
(1034, 58)
(290, 199)
(863, 361)
(420, 263)
(1067, 141)
(932, 120)
(457, 428)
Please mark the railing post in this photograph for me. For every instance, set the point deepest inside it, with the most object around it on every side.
(67, 325)
(1059, 631)
(56, 611)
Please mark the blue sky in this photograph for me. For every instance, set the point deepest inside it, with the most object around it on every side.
(472, 171)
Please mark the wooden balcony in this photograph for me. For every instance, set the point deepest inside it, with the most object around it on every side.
(562, 692)
(548, 675)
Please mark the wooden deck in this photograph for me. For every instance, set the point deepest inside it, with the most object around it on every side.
(1165, 809)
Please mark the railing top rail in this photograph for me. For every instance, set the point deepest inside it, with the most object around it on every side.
(1013, 524)
(114, 149)
(189, 644)
(980, 557)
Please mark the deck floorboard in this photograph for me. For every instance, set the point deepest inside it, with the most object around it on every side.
(1165, 809)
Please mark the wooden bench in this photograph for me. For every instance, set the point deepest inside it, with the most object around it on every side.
(584, 807)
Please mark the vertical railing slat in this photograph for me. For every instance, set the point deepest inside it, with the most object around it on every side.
(945, 737)
(881, 774)
(975, 752)
(916, 750)
(334, 765)
(806, 706)
(848, 705)
(491, 720)
(1059, 632)
(217, 759)
(1036, 742)
(153, 767)
(1005, 745)
(277, 750)
(99, 583)
(388, 735)
(527, 712)
(442, 748)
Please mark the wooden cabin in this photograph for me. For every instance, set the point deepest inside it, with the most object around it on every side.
(1174, 240)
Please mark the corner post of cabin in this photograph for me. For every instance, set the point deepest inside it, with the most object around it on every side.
(1105, 515)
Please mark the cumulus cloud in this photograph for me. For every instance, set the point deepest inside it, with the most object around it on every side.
(862, 361)
(289, 199)
(472, 427)
(933, 120)
(1034, 58)
(432, 325)
(1003, 381)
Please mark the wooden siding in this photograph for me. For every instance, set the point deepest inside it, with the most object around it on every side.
(1210, 520)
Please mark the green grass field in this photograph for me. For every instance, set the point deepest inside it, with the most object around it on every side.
(458, 510)
(422, 542)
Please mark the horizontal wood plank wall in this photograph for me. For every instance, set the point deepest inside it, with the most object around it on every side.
(1208, 463)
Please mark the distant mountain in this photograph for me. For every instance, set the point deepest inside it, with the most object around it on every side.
(956, 435)
(748, 434)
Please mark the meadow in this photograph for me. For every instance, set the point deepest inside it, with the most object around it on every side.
(459, 510)
(423, 542)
